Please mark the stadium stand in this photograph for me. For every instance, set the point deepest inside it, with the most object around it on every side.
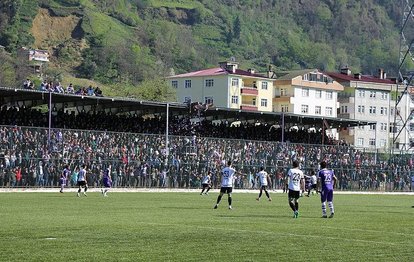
(133, 142)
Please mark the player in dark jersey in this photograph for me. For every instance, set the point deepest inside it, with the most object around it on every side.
(326, 184)
(64, 178)
(106, 181)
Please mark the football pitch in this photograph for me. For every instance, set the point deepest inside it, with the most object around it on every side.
(183, 226)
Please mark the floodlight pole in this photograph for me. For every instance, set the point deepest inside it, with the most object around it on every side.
(283, 127)
(50, 120)
(167, 148)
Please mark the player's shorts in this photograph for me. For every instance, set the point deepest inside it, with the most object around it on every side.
(226, 190)
(326, 195)
(314, 186)
(107, 184)
(81, 183)
(293, 194)
(62, 182)
(206, 185)
(263, 187)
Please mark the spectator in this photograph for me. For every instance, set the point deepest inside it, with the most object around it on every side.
(70, 89)
(90, 91)
(98, 91)
(44, 86)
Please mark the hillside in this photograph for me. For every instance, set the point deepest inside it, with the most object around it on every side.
(129, 41)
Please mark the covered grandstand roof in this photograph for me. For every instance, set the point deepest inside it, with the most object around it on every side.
(31, 98)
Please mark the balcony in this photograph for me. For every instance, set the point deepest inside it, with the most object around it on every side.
(249, 91)
(285, 98)
(346, 99)
(344, 115)
(248, 107)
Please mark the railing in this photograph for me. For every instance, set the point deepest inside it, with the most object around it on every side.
(28, 159)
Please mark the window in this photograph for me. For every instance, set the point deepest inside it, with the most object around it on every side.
(372, 94)
(187, 83)
(384, 96)
(329, 95)
(285, 108)
(361, 93)
(344, 109)
(282, 92)
(318, 94)
(318, 110)
(392, 111)
(372, 110)
(328, 111)
(383, 143)
(383, 111)
(305, 92)
(305, 109)
(209, 82)
(305, 77)
(372, 142)
(234, 99)
(360, 141)
(234, 82)
(264, 85)
(263, 102)
(254, 101)
(174, 84)
(372, 127)
(361, 109)
(383, 126)
(187, 100)
(209, 100)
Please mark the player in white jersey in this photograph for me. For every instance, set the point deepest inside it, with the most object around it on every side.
(82, 180)
(296, 184)
(314, 184)
(227, 178)
(206, 182)
(263, 180)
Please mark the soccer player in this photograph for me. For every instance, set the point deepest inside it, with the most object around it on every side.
(313, 183)
(326, 184)
(227, 177)
(106, 181)
(206, 182)
(64, 177)
(82, 180)
(263, 179)
(296, 183)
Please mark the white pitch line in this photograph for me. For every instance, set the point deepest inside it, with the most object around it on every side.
(280, 234)
(371, 230)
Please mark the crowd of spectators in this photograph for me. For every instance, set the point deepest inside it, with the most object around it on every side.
(28, 158)
(182, 126)
(57, 87)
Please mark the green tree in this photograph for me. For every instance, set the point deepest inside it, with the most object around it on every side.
(237, 28)
(156, 90)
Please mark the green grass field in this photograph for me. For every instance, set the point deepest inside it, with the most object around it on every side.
(184, 227)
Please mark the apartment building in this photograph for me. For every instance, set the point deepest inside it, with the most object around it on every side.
(366, 98)
(306, 92)
(225, 86)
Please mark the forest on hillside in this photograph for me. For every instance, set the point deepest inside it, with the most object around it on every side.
(130, 42)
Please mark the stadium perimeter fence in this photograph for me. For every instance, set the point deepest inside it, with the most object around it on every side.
(35, 157)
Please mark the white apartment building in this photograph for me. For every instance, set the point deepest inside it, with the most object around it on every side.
(403, 119)
(225, 86)
(366, 98)
(306, 92)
